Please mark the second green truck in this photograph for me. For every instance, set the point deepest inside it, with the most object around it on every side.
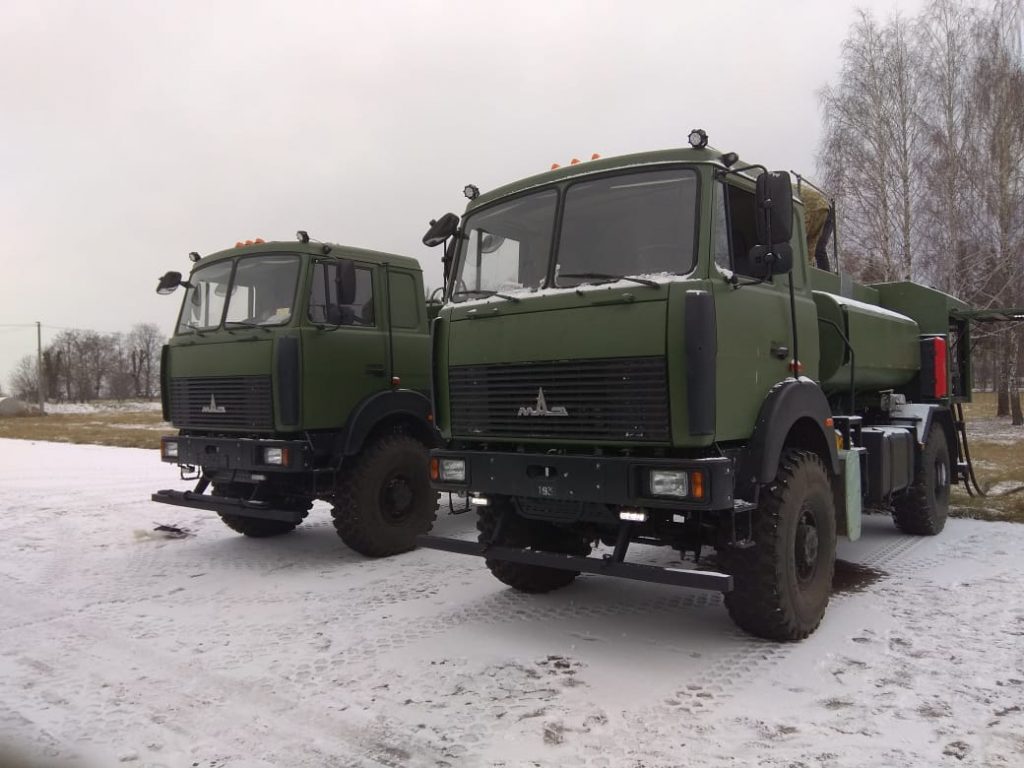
(300, 371)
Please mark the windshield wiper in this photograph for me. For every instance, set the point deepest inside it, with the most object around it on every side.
(485, 293)
(195, 329)
(246, 324)
(610, 278)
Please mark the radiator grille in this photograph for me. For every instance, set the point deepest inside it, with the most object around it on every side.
(229, 402)
(622, 399)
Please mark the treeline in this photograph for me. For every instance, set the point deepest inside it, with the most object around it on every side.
(923, 149)
(82, 365)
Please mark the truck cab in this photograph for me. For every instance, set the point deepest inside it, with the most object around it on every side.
(290, 363)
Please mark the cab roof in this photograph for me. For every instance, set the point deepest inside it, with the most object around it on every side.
(587, 167)
(315, 249)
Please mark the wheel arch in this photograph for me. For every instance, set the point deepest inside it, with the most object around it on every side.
(795, 414)
(405, 410)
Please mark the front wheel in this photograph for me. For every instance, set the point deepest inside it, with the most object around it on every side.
(255, 527)
(782, 584)
(383, 500)
(922, 510)
(521, 533)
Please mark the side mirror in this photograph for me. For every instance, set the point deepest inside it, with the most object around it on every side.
(762, 262)
(774, 215)
(441, 229)
(169, 283)
(489, 242)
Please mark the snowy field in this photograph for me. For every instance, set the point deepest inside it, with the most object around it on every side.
(119, 647)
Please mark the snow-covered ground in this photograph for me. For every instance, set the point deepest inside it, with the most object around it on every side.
(217, 651)
(105, 406)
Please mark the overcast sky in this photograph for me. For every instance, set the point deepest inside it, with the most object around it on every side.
(134, 132)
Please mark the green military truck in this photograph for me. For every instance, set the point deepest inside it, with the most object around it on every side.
(639, 350)
(300, 371)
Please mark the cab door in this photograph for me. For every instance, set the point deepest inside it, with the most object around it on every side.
(753, 327)
(344, 341)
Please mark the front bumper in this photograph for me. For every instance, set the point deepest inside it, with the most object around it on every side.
(228, 506)
(215, 454)
(586, 479)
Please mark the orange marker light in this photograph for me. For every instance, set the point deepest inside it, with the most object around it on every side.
(697, 485)
(574, 161)
(259, 241)
(239, 244)
(829, 423)
(435, 469)
(595, 156)
(555, 166)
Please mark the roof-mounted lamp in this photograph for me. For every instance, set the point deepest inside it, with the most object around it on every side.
(698, 138)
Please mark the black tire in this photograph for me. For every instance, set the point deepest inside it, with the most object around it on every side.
(922, 510)
(383, 500)
(532, 534)
(781, 585)
(256, 527)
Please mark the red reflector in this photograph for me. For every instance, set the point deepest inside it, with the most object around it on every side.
(939, 361)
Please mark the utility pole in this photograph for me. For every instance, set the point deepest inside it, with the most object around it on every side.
(39, 367)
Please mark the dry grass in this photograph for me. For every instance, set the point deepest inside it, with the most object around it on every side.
(126, 429)
(997, 450)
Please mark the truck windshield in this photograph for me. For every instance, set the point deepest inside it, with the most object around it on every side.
(507, 246)
(259, 291)
(635, 224)
(613, 226)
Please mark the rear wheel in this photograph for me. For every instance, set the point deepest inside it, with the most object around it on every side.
(922, 510)
(256, 527)
(384, 500)
(521, 533)
(781, 585)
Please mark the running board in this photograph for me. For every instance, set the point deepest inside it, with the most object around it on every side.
(227, 506)
(677, 577)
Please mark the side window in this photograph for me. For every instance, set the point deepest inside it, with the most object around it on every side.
(326, 294)
(405, 303)
(742, 223)
(720, 231)
(362, 307)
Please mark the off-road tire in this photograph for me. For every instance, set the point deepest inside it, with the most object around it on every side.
(532, 534)
(383, 499)
(256, 527)
(782, 584)
(922, 510)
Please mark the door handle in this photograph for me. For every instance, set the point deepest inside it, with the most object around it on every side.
(375, 369)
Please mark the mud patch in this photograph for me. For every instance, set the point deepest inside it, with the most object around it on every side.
(854, 577)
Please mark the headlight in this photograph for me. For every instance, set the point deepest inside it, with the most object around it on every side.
(670, 482)
(276, 456)
(170, 448)
(453, 470)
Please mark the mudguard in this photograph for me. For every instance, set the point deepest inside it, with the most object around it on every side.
(790, 403)
(381, 406)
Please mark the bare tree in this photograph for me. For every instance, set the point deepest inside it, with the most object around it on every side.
(25, 379)
(923, 147)
(143, 348)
